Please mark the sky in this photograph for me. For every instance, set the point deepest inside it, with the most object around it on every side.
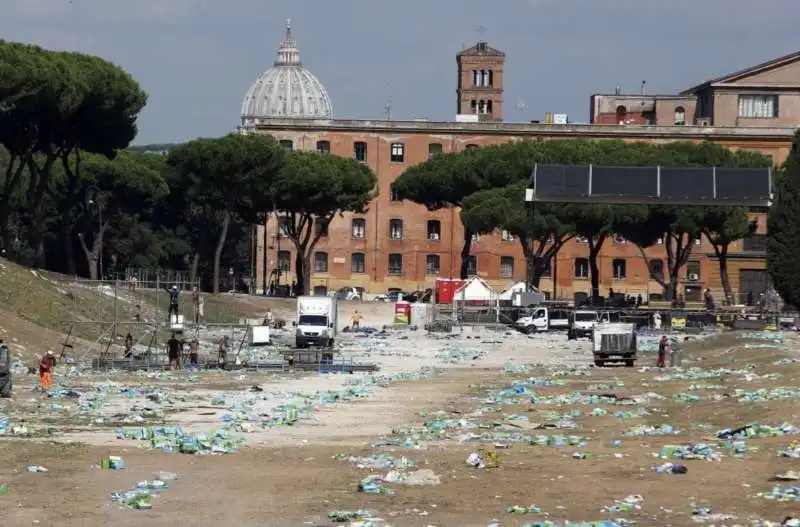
(197, 58)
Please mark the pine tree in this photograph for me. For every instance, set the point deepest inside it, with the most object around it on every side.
(783, 224)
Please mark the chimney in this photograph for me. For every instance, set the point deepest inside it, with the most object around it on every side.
(617, 90)
(644, 87)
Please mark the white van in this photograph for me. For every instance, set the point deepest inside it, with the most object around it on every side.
(539, 319)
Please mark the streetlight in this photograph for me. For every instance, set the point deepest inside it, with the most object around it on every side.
(530, 200)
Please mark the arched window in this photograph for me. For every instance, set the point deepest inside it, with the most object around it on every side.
(622, 114)
(618, 268)
(680, 116)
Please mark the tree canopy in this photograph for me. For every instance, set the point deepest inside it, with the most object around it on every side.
(783, 224)
(309, 191)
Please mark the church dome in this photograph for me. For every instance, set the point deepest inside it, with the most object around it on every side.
(287, 90)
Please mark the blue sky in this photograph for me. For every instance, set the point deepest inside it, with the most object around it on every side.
(196, 58)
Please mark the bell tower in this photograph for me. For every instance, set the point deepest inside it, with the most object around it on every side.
(480, 82)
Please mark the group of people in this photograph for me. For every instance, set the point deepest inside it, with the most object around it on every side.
(176, 352)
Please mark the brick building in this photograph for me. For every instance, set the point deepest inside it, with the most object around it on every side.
(764, 95)
(403, 245)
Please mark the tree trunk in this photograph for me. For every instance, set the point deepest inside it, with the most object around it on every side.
(722, 256)
(69, 249)
(465, 250)
(302, 272)
(595, 246)
(13, 176)
(264, 256)
(93, 255)
(195, 267)
(223, 234)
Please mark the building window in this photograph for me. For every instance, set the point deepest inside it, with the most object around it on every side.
(395, 264)
(434, 149)
(472, 265)
(506, 266)
(473, 106)
(470, 146)
(360, 151)
(506, 236)
(320, 262)
(622, 114)
(284, 226)
(324, 147)
(755, 243)
(657, 269)
(432, 264)
(618, 268)
(398, 154)
(693, 271)
(359, 228)
(358, 263)
(547, 271)
(284, 260)
(758, 106)
(287, 143)
(434, 230)
(581, 268)
(396, 229)
(321, 228)
(489, 107)
(393, 194)
(482, 107)
(680, 116)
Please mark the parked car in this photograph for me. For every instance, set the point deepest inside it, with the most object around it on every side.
(349, 293)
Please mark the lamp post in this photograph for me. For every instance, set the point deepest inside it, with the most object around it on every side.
(96, 202)
(530, 200)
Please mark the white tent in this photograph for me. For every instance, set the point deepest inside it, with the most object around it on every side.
(475, 291)
(508, 294)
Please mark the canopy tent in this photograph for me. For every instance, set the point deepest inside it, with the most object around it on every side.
(508, 293)
(475, 291)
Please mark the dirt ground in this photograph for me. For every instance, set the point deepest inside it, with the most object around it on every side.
(300, 481)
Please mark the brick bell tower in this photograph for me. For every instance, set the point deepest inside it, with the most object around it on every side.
(480, 82)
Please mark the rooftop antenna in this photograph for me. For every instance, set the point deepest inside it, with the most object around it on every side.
(388, 109)
(521, 108)
(288, 29)
(481, 33)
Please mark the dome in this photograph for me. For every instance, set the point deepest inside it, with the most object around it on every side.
(287, 90)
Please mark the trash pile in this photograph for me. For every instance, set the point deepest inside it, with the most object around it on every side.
(628, 504)
(655, 430)
(792, 451)
(782, 493)
(140, 496)
(698, 451)
(173, 439)
(379, 461)
(758, 430)
(453, 354)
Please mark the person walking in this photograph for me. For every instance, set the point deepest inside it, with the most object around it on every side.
(46, 366)
(663, 346)
(174, 352)
(174, 302)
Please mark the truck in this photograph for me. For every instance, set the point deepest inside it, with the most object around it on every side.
(542, 318)
(614, 342)
(581, 323)
(316, 321)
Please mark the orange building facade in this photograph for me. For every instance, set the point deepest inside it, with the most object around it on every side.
(401, 244)
(398, 244)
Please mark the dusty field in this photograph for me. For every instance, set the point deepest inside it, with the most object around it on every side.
(296, 475)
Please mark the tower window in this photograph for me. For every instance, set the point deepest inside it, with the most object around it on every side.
(398, 153)
(489, 108)
(360, 151)
(473, 106)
